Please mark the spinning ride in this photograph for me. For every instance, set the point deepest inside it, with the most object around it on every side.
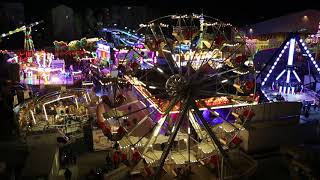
(66, 111)
(199, 93)
(289, 76)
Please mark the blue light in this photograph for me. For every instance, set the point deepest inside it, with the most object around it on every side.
(291, 51)
(288, 76)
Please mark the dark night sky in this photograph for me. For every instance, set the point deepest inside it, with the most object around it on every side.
(239, 12)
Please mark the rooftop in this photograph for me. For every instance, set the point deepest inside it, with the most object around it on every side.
(304, 21)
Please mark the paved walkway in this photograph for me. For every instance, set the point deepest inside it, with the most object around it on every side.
(73, 169)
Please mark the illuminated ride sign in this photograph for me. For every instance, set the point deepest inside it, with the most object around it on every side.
(103, 53)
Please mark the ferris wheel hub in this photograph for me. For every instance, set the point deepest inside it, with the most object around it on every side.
(176, 84)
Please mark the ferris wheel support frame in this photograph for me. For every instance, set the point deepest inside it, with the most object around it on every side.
(173, 136)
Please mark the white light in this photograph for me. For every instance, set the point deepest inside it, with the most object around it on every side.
(296, 75)
(288, 76)
(305, 48)
(272, 67)
(292, 90)
(143, 84)
(76, 102)
(280, 55)
(59, 98)
(3, 35)
(270, 71)
(284, 89)
(268, 75)
(160, 70)
(265, 79)
(278, 77)
(280, 89)
(303, 44)
(312, 59)
(300, 40)
(291, 51)
(282, 51)
(152, 87)
(216, 113)
(278, 59)
(263, 83)
(316, 65)
(285, 47)
(32, 115)
(308, 51)
(310, 55)
(313, 62)
(224, 81)
(318, 69)
(287, 43)
(55, 79)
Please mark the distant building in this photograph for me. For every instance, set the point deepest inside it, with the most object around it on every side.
(305, 22)
(129, 16)
(63, 24)
(11, 16)
(271, 33)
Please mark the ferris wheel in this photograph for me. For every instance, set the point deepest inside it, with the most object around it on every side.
(196, 98)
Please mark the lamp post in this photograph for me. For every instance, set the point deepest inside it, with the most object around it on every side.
(250, 32)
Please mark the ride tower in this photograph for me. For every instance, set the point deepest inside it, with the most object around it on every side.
(288, 82)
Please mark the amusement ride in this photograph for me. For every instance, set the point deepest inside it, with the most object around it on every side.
(196, 97)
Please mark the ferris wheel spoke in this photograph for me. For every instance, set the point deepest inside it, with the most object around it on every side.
(159, 124)
(143, 136)
(233, 52)
(169, 58)
(220, 49)
(173, 135)
(161, 72)
(133, 112)
(209, 80)
(206, 60)
(151, 96)
(224, 72)
(218, 115)
(215, 93)
(141, 122)
(209, 131)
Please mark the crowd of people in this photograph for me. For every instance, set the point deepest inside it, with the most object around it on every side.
(307, 106)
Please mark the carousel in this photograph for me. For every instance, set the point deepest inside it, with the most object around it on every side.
(190, 110)
(67, 111)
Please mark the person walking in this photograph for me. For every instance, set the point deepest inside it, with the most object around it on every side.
(116, 159)
(67, 174)
(315, 106)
